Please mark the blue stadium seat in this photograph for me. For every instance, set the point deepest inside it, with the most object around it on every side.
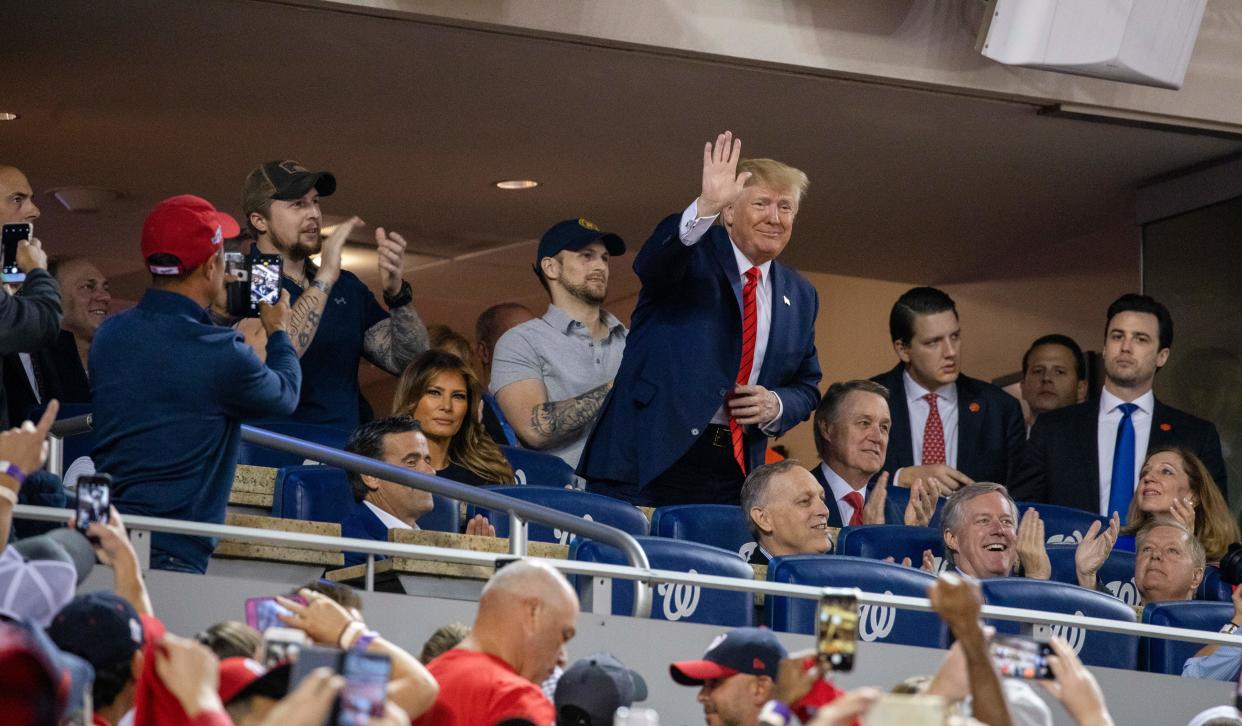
(718, 525)
(1117, 573)
(1212, 588)
(536, 469)
(901, 496)
(1168, 656)
(1062, 525)
(675, 602)
(883, 624)
(877, 541)
(256, 455)
(76, 454)
(596, 507)
(322, 494)
(1094, 648)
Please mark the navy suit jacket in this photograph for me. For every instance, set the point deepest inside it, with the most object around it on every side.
(894, 513)
(683, 353)
(1062, 460)
(990, 429)
(362, 524)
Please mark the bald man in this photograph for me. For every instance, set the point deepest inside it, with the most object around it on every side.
(527, 613)
(29, 319)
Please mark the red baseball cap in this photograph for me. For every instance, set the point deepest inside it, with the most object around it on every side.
(187, 228)
(241, 677)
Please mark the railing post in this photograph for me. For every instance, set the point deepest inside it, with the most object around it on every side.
(517, 535)
(370, 576)
(56, 455)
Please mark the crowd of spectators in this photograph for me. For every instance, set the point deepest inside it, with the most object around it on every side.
(679, 409)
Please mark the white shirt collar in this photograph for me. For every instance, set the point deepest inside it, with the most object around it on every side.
(915, 392)
(389, 521)
(1109, 402)
(744, 264)
(839, 486)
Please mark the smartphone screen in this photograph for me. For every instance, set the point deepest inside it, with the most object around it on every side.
(1018, 657)
(836, 622)
(264, 280)
(262, 612)
(366, 682)
(282, 644)
(9, 237)
(94, 498)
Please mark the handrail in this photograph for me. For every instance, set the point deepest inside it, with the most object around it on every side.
(443, 554)
(518, 510)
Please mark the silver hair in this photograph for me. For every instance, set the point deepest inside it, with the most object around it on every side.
(951, 515)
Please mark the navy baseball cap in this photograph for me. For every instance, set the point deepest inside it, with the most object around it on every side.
(574, 234)
(592, 689)
(754, 651)
(101, 627)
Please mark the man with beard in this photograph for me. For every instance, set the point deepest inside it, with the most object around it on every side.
(551, 374)
(1088, 455)
(335, 320)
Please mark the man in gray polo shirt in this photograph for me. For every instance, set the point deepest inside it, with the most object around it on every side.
(551, 374)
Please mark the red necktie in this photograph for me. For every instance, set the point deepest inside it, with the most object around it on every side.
(856, 501)
(933, 433)
(750, 324)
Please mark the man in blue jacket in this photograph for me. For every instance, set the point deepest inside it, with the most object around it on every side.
(721, 352)
(170, 389)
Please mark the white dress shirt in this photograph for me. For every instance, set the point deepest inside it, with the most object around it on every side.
(840, 488)
(28, 366)
(389, 521)
(1109, 420)
(919, 411)
(692, 229)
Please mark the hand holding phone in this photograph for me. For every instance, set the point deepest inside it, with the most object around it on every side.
(836, 623)
(264, 612)
(11, 237)
(366, 682)
(282, 644)
(1016, 656)
(94, 500)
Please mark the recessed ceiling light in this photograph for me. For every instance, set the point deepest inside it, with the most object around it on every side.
(517, 184)
(8, 116)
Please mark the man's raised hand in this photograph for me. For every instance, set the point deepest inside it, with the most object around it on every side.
(391, 248)
(721, 182)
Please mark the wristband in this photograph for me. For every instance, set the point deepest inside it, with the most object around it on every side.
(13, 470)
(364, 640)
(775, 713)
(403, 296)
(350, 632)
(8, 495)
(1229, 628)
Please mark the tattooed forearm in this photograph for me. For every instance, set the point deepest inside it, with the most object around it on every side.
(391, 344)
(557, 421)
(304, 318)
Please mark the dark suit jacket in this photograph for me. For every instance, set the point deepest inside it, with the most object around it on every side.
(60, 371)
(990, 429)
(893, 512)
(1062, 460)
(683, 352)
(361, 523)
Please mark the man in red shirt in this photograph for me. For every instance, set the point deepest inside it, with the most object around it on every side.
(527, 613)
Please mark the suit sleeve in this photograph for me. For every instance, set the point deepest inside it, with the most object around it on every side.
(1031, 481)
(255, 390)
(800, 395)
(1015, 437)
(662, 262)
(30, 320)
(1210, 454)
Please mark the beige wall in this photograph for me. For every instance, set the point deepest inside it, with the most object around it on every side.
(1065, 288)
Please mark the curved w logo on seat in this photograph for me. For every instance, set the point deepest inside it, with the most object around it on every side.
(680, 601)
(563, 537)
(1125, 591)
(1076, 637)
(876, 622)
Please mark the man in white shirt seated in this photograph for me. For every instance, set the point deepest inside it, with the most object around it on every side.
(982, 537)
(383, 505)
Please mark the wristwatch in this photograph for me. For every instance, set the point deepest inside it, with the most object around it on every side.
(403, 297)
(1228, 628)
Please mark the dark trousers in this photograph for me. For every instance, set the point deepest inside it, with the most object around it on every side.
(706, 474)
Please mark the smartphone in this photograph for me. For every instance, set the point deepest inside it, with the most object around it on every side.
(311, 658)
(9, 237)
(265, 271)
(836, 623)
(1016, 656)
(282, 644)
(262, 612)
(907, 710)
(94, 499)
(366, 683)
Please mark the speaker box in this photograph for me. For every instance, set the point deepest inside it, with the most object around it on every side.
(1147, 42)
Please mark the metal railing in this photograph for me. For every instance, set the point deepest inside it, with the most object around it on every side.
(637, 574)
(519, 511)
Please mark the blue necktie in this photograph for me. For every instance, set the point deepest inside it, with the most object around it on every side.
(1122, 490)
